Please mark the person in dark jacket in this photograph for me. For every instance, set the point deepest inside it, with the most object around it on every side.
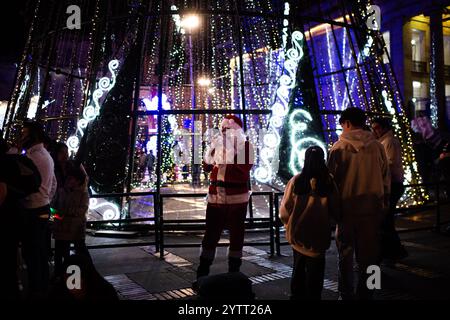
(19, 178)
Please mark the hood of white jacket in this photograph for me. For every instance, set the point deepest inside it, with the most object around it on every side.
(386, 137)
(357, 139)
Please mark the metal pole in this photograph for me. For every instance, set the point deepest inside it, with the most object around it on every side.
(193, 107)
(277, 227)
(156, 207)
(161, 228)
(164, 26)
(271, 225)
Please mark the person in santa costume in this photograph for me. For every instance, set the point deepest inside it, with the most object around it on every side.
(229, 160)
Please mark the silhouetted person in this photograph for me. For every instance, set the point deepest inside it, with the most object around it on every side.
(391, 247)
(71, 205)
(19, 177)
(229, 160)
(60, 155)
(310, 201)
(37, 211)
(359, 165)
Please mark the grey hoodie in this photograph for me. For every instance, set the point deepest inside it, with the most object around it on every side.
(361, 170)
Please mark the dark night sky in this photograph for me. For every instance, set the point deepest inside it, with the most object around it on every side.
(13, 31)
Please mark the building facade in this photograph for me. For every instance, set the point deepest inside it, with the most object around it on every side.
(417, 35)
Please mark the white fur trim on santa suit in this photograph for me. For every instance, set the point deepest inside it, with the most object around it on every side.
(222, 198)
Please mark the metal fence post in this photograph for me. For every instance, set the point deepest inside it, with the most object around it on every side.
(161, 228)
(156, 220)
(277, 227)
(271, 225)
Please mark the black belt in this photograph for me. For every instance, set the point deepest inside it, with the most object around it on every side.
(39, 212)
(233, 185)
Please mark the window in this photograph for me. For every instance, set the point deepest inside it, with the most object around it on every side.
(420, 94)
(447, 51)
(418, 45)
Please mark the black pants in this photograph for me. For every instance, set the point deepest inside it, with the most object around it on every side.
(35, 250)
(307, 277)
(9, 269)
(62, 252)
(390, 243)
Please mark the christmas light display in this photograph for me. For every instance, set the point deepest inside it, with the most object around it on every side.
(264, 173)
(105, 84)
(248, 56)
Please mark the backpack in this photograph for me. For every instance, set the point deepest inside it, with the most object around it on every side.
(309, 225)
(21, 175)
(225, 287)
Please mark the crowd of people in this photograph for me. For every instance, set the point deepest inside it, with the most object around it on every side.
(43, 194)
(356, 187)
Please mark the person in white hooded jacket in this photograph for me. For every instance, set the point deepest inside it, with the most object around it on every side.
(361, 170)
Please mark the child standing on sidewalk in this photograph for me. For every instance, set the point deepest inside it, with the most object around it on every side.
(310, 199)
(71, 205)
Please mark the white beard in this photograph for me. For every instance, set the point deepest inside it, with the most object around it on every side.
(225, 148)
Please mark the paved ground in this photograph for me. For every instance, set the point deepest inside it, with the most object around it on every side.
(139, 274)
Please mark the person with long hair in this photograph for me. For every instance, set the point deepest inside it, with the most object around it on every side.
(310, 199)
(36, 212)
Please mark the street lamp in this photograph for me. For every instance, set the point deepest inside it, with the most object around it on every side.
(204, 82)
(191, 22)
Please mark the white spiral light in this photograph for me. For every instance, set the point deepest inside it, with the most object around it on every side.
(105, 84)
(280, 108)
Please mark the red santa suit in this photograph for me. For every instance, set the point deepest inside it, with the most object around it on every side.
(229, 159)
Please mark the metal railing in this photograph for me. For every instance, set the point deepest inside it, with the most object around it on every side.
(251, 223)
(436, 205)
(161, 225)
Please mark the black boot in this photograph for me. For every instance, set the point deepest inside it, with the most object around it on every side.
(234, 264)
(203, 268)
(202, 271)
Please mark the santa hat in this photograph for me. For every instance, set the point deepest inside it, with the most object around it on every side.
(232, 122)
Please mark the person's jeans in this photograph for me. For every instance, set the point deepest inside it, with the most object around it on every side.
(35, 250)
(62, 252)
(307, 277)
(390, 243)
(359, 236)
